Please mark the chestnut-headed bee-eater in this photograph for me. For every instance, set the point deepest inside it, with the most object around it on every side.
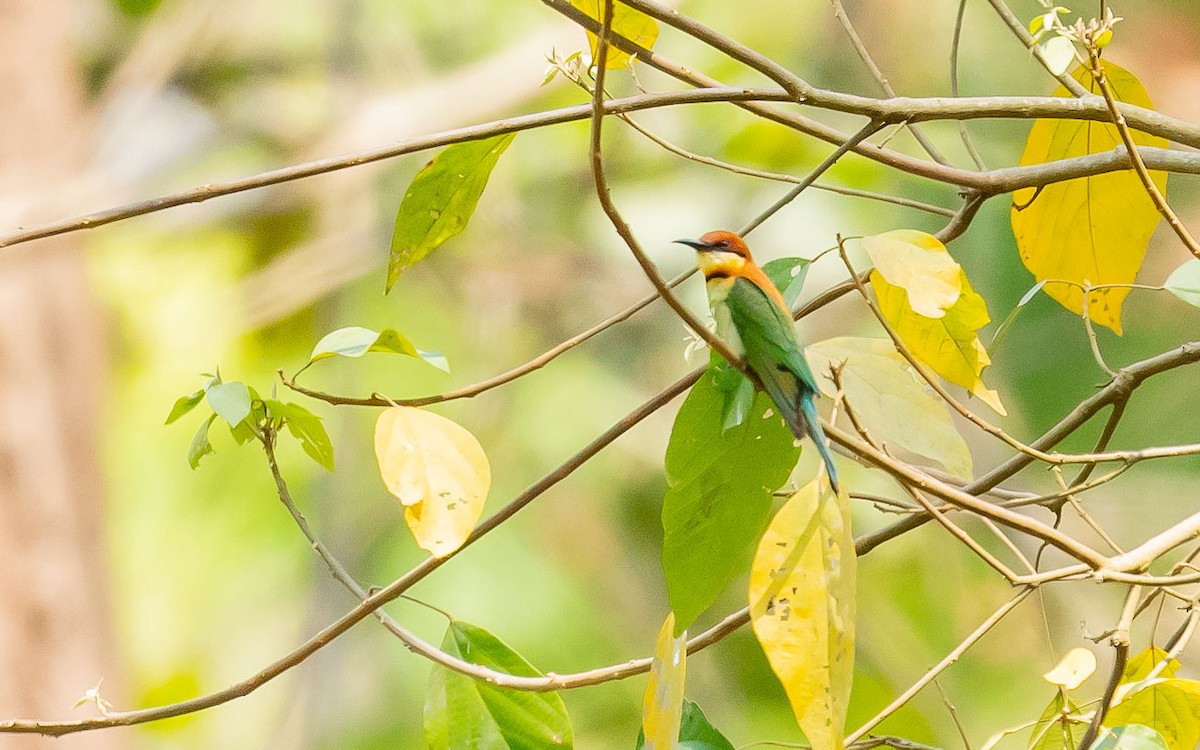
(754, 320)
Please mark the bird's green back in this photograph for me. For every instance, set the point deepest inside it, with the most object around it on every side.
(768, 333)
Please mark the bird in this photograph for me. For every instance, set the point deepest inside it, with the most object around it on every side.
(754, 320)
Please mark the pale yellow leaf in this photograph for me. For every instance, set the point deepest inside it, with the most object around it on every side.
(662, 707)
(919, 263)
(892, 402)
(949, 344)
(1090, 230)
(802, 608)
(632, 24)
(1059, 53)
(438, 471)
(1072, 669)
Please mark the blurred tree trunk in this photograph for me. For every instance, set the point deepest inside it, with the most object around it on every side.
(55, 632)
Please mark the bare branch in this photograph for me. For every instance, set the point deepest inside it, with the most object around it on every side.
(941, 666)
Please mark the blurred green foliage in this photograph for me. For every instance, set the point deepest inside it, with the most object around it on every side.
(210, 579)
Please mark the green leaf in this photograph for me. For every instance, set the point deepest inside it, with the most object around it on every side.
(305, 427)
(1131, 737)
(462, 713)
(1140, 665)
(719, 494)
(441, 199)
(355, 341)
(183, 405)
(137, 7)
(1184, 282)
(1054, 730)
(200, 446)
(695, 733)
(231, 401)
(1170, 706)
(787, 274)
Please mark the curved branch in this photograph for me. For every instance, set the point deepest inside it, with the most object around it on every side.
(368, 606)
(391, 151)
(1118, 389)
(496, 381)
(604, 196)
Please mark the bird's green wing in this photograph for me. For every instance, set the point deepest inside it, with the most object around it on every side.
(768, 334)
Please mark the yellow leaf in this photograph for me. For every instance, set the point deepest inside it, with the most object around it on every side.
(632, 24)
(1073, 669)
(662, 707)
(919, 263)
(1140, 665)
(802, 608)
(1171, 706)
(439, 472)
(1090, 230)
(893, 403)
(949, 344)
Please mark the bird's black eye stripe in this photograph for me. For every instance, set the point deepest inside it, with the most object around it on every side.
(721, 243)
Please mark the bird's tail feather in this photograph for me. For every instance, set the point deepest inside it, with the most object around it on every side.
(799, 412)
(808, 408)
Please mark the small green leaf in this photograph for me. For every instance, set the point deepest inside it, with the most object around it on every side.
(231, 401)
(1055, 730)
(788, 276)
(461, 712)
(441, 199)
(719, 494)
(1131, 737)
(355, 341)
(305, 427)
(1184, 282)
(1002, 329)
(200, 446)
(183, 405)
(695, 733)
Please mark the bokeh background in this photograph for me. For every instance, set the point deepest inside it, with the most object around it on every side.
(120, 562)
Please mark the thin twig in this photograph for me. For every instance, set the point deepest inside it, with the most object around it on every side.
(963, 133)
(551, 682)
(1127, 380)
(496, 381)
(369, 605)
(604, 196)
(1135, 157)
(1119, 639)
(839, 12)
(1020, 32)
(941, 666)
(779, 177)
(929, 377)
(390, 151)
(850, 144)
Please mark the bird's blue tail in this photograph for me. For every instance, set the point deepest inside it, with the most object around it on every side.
(808, 408)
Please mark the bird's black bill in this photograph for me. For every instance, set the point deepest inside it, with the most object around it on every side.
(694, 244)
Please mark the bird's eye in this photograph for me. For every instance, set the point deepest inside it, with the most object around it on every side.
(721, 243)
